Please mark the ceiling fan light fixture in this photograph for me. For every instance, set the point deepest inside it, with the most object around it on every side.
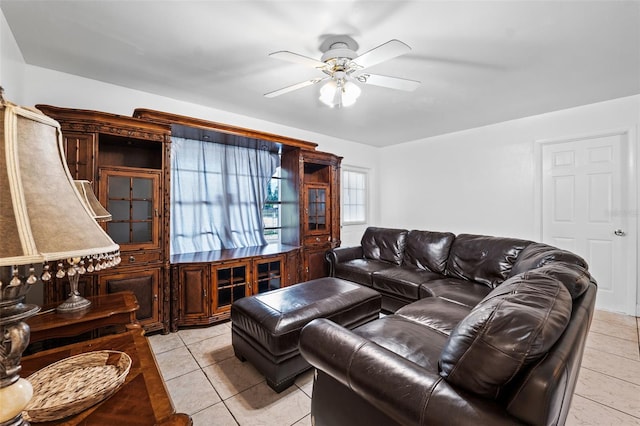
(342, 66)
(350, 92)
(339, 93)
(328, 93)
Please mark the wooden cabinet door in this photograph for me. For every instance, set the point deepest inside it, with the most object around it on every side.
(80, 149)
(132, 196)
(193, 296)
(293, 267)
(268, 274)
(316, 217)
(229, 282)
(315, 265)
(144, 283)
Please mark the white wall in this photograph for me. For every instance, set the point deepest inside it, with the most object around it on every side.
(482, 180)
(11, 64)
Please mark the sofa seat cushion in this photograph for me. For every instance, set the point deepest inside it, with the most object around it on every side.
(384, 244)
(483, 259)
(409, 339)
(461, 291)
(436, 313)
(402, 281)
(515, 325)
(360, 270)
(428, 250)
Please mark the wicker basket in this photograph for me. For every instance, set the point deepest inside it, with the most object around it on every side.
(75, 384)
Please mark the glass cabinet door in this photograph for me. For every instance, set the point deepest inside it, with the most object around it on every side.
(316, 208)
(230, 283)
(132, 199)
(268, 274)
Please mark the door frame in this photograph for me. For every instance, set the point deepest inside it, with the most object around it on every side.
(629, 175)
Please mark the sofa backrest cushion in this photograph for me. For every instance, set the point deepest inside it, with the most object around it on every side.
(484, 259)
(536, 255)
(428, 250)
(515, 325)
(385, 244)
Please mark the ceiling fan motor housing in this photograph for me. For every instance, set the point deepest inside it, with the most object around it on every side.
(338, 53)
(337, 47)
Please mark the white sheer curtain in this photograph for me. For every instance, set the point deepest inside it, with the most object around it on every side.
(217, 195)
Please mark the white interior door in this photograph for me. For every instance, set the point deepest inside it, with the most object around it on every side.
(587, 200)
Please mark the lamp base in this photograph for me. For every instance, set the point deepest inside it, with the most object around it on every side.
(14, 339)
(16, 421)
(15, 397)
(74, 303)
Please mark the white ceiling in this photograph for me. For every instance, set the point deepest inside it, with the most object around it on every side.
(480, 62)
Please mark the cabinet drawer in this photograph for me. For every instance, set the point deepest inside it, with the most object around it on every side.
(141, 257)
(317, 239)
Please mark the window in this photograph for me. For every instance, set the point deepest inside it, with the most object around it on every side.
(354, 196)
(217, 194)
(272, 209)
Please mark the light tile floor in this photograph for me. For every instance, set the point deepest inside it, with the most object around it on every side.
(208, 382)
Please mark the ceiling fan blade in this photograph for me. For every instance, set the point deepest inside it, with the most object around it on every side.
(390, 82)
(298, 59)
(294, 87)
(386, 51)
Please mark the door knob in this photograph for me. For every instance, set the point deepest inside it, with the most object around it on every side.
(619, 232)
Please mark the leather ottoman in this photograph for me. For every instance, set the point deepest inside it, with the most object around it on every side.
(266, 328)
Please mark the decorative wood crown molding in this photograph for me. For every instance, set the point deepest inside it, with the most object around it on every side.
(166, 118)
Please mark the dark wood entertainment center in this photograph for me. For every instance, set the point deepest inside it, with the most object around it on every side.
(127, 159)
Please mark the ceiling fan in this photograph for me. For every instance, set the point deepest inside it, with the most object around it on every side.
(344, 68)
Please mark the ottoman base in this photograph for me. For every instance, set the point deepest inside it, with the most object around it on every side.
(279, 375)
(265, 328)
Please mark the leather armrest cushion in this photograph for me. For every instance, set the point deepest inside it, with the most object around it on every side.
(398, 387)
(342, 254)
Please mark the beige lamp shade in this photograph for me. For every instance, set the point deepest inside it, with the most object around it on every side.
(42, 216)
(98, 212)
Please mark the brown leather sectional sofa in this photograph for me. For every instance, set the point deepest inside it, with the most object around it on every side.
(485, 330)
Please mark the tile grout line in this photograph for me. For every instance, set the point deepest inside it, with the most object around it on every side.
(610, 376)
(612, 337)
(608, 406)
(599, 349)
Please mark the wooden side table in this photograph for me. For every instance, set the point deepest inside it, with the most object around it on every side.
(114, 309)
(141, 401)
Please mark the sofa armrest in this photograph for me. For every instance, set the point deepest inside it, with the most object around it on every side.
(396, 386)
(403, 390)
(342, 254)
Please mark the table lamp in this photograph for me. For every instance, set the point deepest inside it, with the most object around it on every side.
(75, 302)
(43, 220)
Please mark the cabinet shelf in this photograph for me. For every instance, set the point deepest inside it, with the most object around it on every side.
(262, 277)
(229, 283)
